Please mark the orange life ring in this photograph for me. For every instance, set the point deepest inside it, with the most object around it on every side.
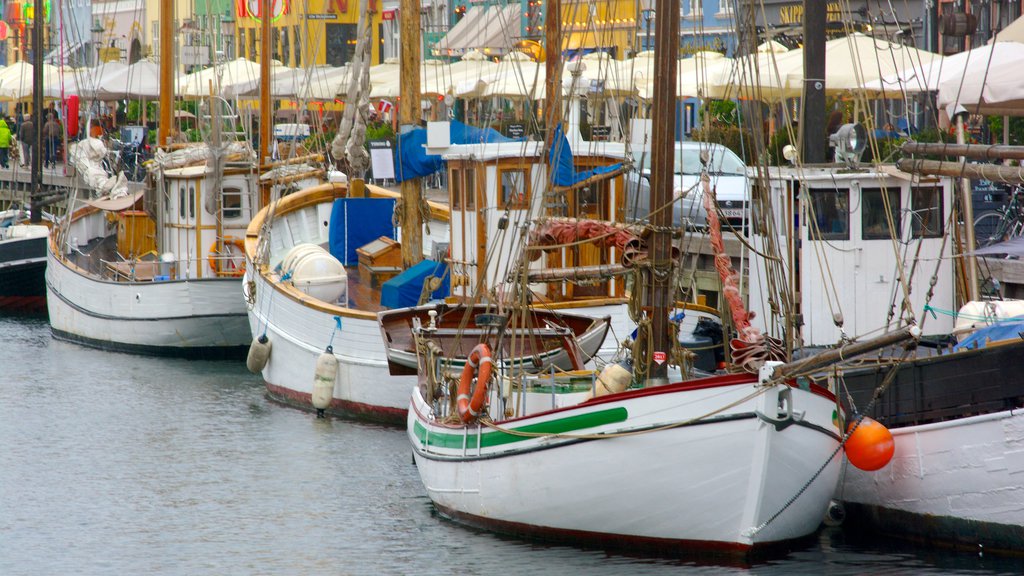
(226, 266)
(477, 364)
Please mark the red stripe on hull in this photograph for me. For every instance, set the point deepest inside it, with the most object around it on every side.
(722, 553)
(340, 408)
(24, 304)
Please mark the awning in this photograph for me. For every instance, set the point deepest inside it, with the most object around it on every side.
(495, 29)
(471, 21)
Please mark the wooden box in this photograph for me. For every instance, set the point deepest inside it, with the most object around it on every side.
(380, 260)
(136, 234)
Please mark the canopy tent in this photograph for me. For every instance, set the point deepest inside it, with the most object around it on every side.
(491, 29)
(772, 46)
(598, 73)
(92, 78)
(1014, 32)
(309, 83)
(692, 75)
(850, 61)
(518, 77)
(16, 80)
(140, 80)
(984, 79)
(235, 78)
(452, 43)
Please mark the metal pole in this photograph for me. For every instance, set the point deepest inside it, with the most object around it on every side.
(37, 111)
(812, 124)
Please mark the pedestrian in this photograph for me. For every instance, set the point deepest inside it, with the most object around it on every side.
(5, 144)
(27, 137)
(51, 134)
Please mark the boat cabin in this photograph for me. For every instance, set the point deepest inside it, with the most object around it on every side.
(849, 239)
(497, 191)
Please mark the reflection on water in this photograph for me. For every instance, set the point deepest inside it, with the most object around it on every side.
(121, 464)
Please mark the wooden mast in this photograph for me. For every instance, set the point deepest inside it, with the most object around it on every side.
(408, 118)
(553, 92)
(166, 73)
(266, 114)
(659, 276)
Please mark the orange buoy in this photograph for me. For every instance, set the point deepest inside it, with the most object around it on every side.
(870, 446)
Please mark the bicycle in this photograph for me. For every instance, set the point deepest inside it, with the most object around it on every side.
(1005, 223)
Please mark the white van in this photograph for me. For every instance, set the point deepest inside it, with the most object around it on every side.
(728, 177)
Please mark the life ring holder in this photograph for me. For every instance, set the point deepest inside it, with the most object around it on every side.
(216, 259)
(469, 400)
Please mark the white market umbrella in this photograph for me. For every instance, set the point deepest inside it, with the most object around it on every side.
(229, 80)
(852, 60)
(986, 78)
(16, 80)
(140, 80)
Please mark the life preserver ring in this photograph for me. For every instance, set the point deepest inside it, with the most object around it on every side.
(222, 263)
(477, 364)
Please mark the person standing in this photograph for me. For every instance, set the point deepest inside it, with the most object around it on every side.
(5, 144)
(27, 136)
(51, 134)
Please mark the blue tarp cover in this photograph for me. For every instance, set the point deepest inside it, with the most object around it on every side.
(412, 160)
(356, 222)
(404, 290)
(563, 172)
(999, 331)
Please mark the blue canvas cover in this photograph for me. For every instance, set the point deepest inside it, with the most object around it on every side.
(1004, 330)
(356, 222)
(404, 290)
(412, 160)
(563, 172)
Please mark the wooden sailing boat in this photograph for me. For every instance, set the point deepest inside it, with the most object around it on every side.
(724, 464)
(325, 260)
(156, 267)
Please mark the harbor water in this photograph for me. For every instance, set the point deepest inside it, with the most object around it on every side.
(121, 464)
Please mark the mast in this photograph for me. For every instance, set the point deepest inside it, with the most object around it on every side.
(553, 87)
(408, 118)
(659, 276)
(812, 124)
(166, 72)
(37, 110)
(266, 114)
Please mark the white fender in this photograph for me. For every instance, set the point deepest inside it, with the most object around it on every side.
(259, 353)
(323, 380)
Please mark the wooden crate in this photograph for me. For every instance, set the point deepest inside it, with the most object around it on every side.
(380, 260)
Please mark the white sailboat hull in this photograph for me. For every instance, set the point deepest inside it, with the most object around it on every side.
(188, 318)
(955, 480)
(300, 332)
(657, 479)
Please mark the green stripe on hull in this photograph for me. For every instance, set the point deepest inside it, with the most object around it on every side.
(491, 438)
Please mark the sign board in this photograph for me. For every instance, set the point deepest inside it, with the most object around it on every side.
(515, 130)
(382, 159)
(659, 357)
(387, 15)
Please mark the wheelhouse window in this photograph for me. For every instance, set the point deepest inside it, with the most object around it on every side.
(231, 198)
(874, 219)
(463, 189)
(515, 191)
(830, 214)
(926, 212)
